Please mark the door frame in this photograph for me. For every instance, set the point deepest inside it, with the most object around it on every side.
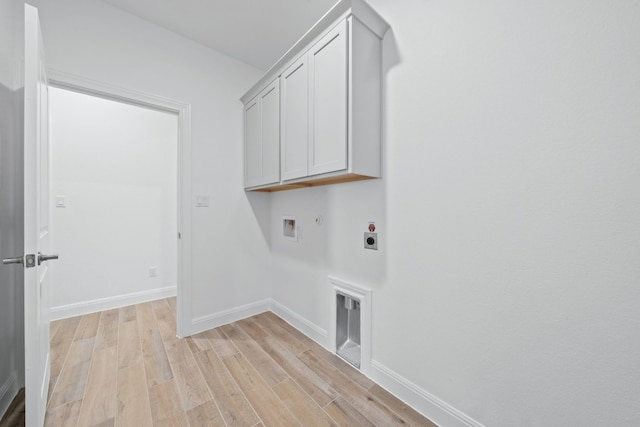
(75, 83)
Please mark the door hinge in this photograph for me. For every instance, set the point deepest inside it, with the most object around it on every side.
(179, 235)
(29, 260)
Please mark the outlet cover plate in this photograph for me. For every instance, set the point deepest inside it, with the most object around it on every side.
(371, 241)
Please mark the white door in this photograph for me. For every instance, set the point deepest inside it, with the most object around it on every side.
(270, 133)
(37, 277)
(262, 137)
(328, 73)
(295, 119)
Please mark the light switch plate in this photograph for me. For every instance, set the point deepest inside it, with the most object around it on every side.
(202, 201)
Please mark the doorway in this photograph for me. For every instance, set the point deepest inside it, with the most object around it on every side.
(120, 192)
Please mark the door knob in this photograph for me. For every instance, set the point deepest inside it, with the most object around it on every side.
(45, 257)
(29, 260)
(16, 260)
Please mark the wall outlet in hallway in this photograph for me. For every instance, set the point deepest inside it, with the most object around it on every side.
(153, 271)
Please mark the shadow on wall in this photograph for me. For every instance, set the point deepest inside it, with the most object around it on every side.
(390, 58)
(11, 243)
(353, 206)
(261, 206)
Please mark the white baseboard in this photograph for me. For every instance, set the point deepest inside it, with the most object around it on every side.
(308, 328)
(85, 307)
(8, 391)
(231, 315)
(419, 399)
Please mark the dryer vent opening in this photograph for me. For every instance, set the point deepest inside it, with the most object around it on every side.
(348, 329)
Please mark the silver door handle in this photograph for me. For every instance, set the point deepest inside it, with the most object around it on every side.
(16, 260)
(45, 257)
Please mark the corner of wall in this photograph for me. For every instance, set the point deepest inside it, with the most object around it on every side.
(8, 391)
(231, 315)
(305, 326)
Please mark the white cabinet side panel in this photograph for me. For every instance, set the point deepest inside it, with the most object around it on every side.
(365, 97)
(253, 149)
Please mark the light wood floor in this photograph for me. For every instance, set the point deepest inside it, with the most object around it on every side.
(126, 367)
(15, 414)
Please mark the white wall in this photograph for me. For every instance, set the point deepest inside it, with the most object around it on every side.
(506, 283)
(11, 222)
(90, 39)
(115, 165)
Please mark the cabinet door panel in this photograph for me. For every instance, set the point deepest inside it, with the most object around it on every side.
(270, 120)
(328, 74)
(295, 119)
(252, 144)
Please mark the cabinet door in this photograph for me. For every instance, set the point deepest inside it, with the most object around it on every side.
(295, 119)
(328, 74)
(262, 137)
(270, 133)
(252, 143)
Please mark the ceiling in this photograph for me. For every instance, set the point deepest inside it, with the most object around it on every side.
(257, 32)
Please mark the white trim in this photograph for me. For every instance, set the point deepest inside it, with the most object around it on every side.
(184, 315)
(72, 82)
(85, 307)
(231, 315)
(418, 398)
(44, 388)
(8, 392)
(363, 295)
(308, 328)
(87, 86)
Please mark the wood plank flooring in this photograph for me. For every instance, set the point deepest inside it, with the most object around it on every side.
(15, 414)
(125, 367)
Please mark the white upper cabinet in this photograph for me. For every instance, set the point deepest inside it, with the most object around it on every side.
(329, 105)
(262, 137)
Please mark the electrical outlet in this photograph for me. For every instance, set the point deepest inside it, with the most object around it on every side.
(371, 241)
(153, 271)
